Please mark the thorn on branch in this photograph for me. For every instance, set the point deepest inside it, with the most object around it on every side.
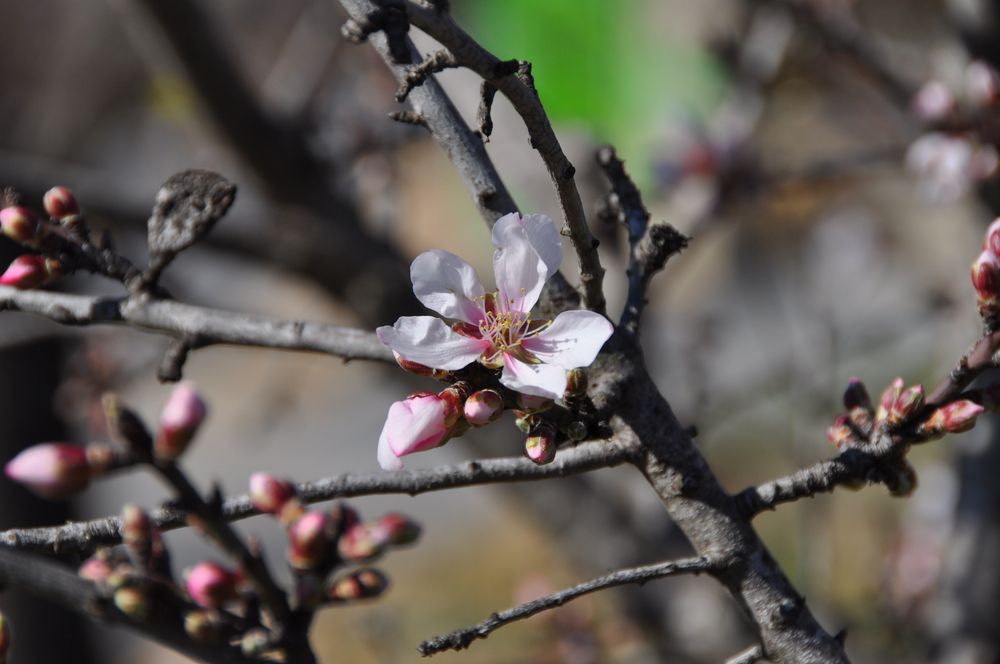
(409, 117)
(390, 19)
(484, 118)
(434, 63)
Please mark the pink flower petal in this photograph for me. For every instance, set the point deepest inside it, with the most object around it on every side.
(445, 283)
(573, 340)
(542, 380)
(429, 341)
(542, 234)
(520, 272)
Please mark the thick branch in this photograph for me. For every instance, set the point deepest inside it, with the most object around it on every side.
(462, 638)
(208, 326)
(748, 656)
(83, 537)
(524, 98)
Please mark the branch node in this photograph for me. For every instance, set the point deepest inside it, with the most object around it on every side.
(416, 75)
(409, 117)
(484, 117)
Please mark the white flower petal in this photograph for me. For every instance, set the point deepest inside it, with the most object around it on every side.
(542, 234)
(543, 380)
(573, 340)
(386, 459)
(429, 341)
(520, 271)
(445, 283)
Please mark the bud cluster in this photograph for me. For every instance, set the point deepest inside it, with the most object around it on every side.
(25, 227)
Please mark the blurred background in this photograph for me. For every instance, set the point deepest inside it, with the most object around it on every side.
(834, 213)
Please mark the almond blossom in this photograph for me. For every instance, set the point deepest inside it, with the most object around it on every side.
(496, 328)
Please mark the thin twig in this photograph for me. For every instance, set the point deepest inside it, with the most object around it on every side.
(82, 538)
(209, 326)
(748, 656)
(470, 54)
(432, 64)
(462, 638)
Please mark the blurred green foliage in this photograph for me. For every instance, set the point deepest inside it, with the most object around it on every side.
(610, 67)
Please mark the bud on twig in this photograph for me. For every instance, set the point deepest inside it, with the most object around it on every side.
(179, 421)
(887, 400)
(59, 202)
(96, 569)
(986, 280)
(540, 446)
(204, 626)
(907, 404)
(933, 102)
(483, 407)
(840, 432)
(19, 224)
(309, 540)
(133, 602)
(856, 395)
(956, 417)
(30, 271)
(270, 494)
(981, 84)
(412, 367)
(397, 529)
(211, 585)
(52, 470)
(361, 584)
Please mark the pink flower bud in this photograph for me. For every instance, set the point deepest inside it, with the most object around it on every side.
(360, 543)
(887, 399)
(96, 569)
(454, 395)
(933, 102)
(986, 275)
(541, 447)
(182, 415)
(211, 585)
(415, 424)
(856, 395)
(840, 432)
(483, 407)
(59, 202)
(30, 271)
(52, 470)
(269, 494)
(956, 417)
(19, 224)
(533, 403)
(361, 584)
(982, 85)
(397, 530)
(991, 241)
(909, 402)
(309, 540)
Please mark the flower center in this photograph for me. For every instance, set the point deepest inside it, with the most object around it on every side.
(506, 329)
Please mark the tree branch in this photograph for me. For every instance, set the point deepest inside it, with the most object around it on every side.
(462, 638)
(748, 656)
(524, 98)
(84, 537)
(208, 326)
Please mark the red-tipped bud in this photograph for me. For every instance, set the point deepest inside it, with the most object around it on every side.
(182, 415)
(933, 102)
(986, 276)
(52, 470)
(396, 530)
(60, 202)
(412, 367)
(30, 271)
(856, 395)
(840, 432)
(909, 402)
(887, 399)
(133, 602)
(532, 403)
(956, 417)
(981, 83)
(360, 543)
(362, 584)
(96, 569)
(540, 446)
(483, 407)
(19, 224)
(211, 585)
(309, 540)
(270, 494)
(991, 241)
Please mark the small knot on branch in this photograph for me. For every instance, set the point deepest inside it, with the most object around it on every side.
(409, 117)
(484, 117)
(436, 62)
(390, 19)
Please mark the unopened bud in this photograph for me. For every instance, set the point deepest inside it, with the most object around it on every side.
(576, 430)
(52, 470)
(957, 417)
(412, 367)
(137, 533)
(532, 403)
(982, 85)
(361, 543)
(59, 202)
(255, 642)
(309, 540)
(840, 432)
(483, 407)
(992, 238)
(856, 395)
(19, 224)
(397, 529)
(343, 517)
(204, 626)
(211, 585)
(270, 494)
(30, 271)
(179, 421)
(909, 402)
(133, 602)
(524, 421)
(540, 446)
(933, 102)
(454, 396)
(96, 569)
(887, 399)
(576, 383)
(986, 279)
(361, 584)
